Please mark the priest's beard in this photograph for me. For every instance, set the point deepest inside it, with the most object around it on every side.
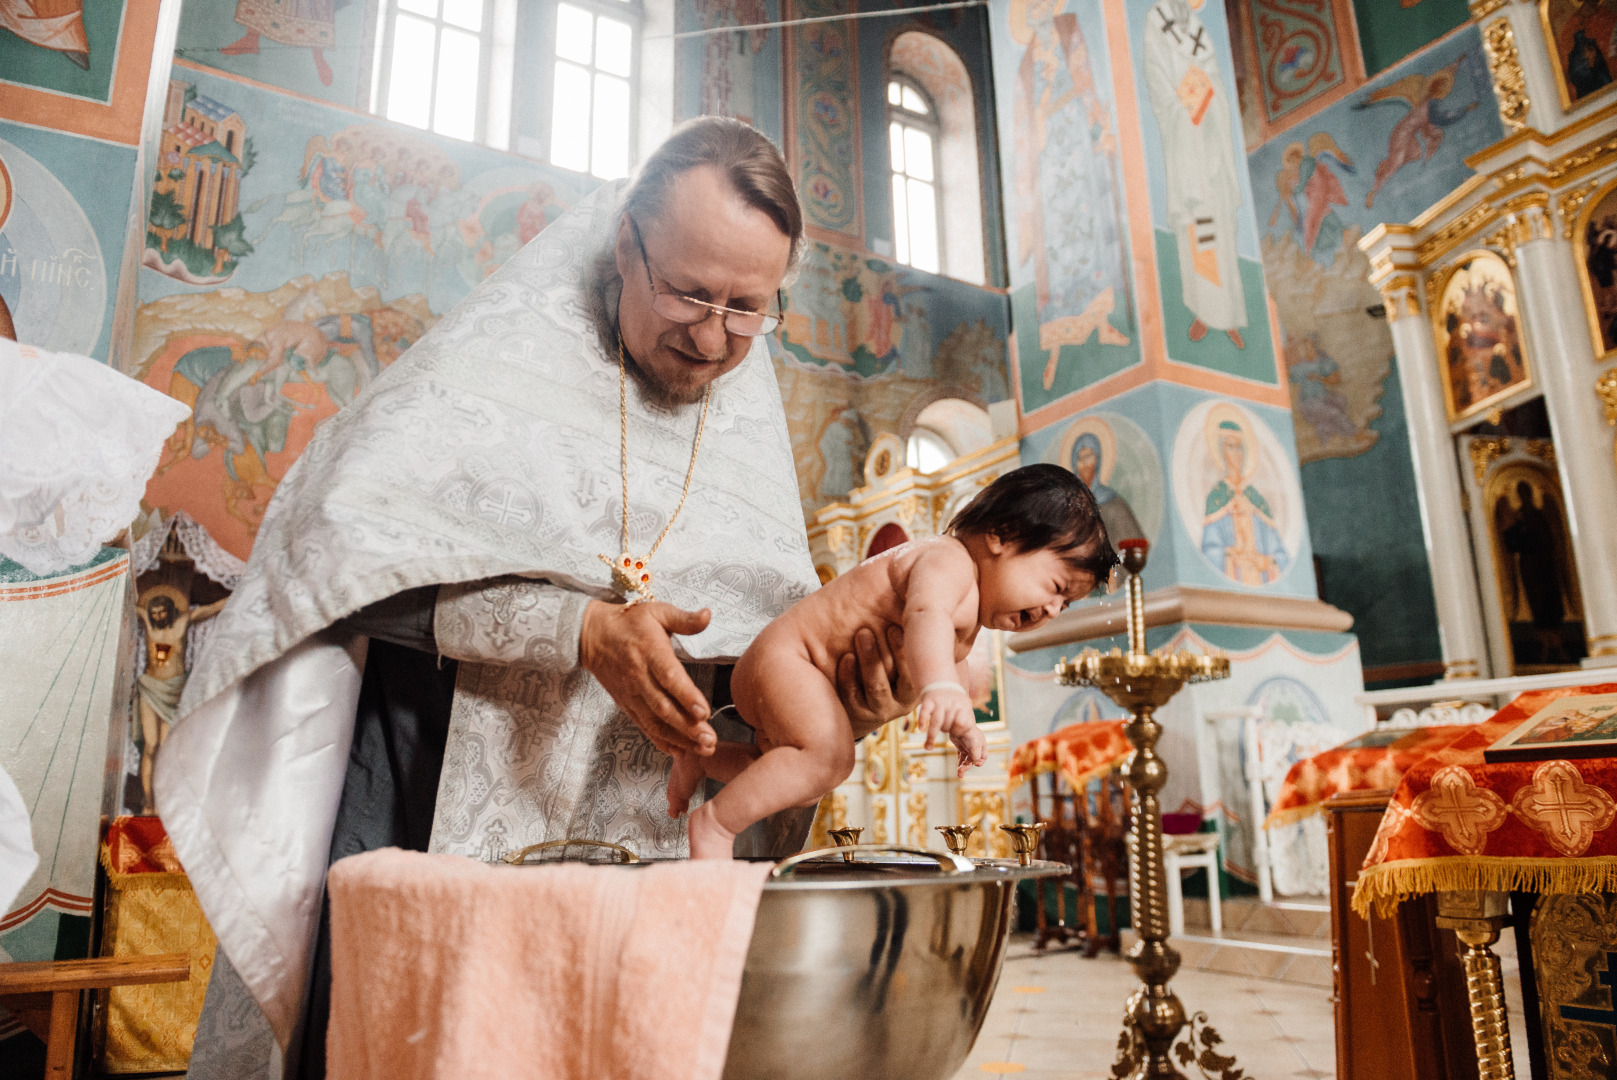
(682, 387)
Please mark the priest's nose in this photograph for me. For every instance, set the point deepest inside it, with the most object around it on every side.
(710, 337)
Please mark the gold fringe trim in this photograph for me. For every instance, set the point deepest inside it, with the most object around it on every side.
(1083, 779)
(1292, 814)
(1381, 888)
(159, 879)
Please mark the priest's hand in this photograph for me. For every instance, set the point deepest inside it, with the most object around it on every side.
(872, 688)
(627, 648)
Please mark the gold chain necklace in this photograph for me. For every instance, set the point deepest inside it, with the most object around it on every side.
(631, 574)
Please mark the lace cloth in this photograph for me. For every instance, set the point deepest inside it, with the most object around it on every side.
(78, 441)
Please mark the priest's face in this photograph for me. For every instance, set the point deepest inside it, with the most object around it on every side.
(707, 244)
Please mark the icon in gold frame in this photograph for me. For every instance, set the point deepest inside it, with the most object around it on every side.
(1594, 239)
(1478, 332)
(1581, 50)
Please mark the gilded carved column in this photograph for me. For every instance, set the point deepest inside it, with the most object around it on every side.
(1448, 546)
(1563, 359)
(1524, 84)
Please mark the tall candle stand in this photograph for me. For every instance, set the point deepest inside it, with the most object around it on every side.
(1142, 683)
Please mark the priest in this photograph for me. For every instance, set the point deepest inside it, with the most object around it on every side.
(495, 591)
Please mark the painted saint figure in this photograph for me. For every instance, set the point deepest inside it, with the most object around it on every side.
(310, 24)
(57, 25)
(1068, 210)
(1188, 98)
(166, 615)
(1239, 533)
(1088, 462)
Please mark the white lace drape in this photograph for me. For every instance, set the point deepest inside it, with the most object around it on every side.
(78, 441)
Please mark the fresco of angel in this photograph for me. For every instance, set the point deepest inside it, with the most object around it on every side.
(1419, 134)
(1307, 170)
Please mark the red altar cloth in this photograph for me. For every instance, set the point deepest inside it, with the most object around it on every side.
(1082, 752)
(1368, 762)
(1458, 822)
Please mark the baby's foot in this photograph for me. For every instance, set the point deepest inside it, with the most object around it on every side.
(709, 838)
(682, 781)
(972, 746)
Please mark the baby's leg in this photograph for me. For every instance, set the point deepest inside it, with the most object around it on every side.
(723, 765)
(808, 740)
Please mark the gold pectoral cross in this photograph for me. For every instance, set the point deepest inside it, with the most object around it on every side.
(630, 577)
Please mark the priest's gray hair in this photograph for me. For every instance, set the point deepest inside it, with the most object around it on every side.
(742, 153)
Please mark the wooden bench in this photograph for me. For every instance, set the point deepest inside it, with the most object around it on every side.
(45, 996)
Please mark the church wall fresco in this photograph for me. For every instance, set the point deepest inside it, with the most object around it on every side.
(1389, 30)
(1074, 297)
(823, 142)
(293, 250)
(1214, 309)
(864, 336)
(736, 74)
(70, 66)
(1384, 152)
(321, 48)
(64, 204)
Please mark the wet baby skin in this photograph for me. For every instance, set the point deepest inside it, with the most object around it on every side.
(940, 591)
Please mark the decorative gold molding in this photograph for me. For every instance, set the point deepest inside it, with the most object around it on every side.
(1481, 9)
(1543, 449)
(1484, 452)
(1570, 163)
(1435, 283)
(1403, 287)
(840, 538)
(1570, 203)
(1606, 391)
(1527, 218)
(1505, 238)
(1505, 67)
(1449, 236)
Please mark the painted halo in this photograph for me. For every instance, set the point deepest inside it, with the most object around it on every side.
(1198, 469)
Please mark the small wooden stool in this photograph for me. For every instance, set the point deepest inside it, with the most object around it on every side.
(45, 995)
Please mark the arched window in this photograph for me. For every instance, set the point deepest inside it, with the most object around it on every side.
(912, 133)
(936, 170)
(946, 429)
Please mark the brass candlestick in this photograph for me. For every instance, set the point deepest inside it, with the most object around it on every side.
(846, 838)
(1024, 840)
(1142, 683)
(956, 836)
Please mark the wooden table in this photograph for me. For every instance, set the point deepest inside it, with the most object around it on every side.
(1401, 1008)
(45, 995)
(1470, 832)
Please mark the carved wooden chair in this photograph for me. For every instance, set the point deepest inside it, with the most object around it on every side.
(1086, 834)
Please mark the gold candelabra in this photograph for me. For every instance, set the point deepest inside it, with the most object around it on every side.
(1142, 683)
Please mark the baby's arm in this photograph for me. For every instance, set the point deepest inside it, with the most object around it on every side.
(940, 580)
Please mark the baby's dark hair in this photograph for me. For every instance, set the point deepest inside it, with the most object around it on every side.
(1041, 506)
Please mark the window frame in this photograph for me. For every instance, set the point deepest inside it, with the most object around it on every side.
(533, 82)
(932, 125)
(389, 13)
(542, 96)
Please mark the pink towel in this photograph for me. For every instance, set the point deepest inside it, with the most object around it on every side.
(446, 967)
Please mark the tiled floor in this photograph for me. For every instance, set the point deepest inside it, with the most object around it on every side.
(1057, 1015)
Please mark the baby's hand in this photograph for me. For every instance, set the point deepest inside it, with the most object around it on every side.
(946, 708)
